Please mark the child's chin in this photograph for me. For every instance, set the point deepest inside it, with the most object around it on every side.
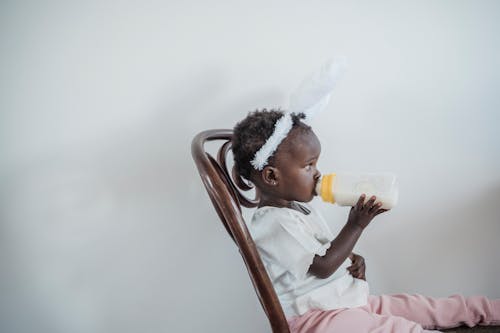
(310, 198)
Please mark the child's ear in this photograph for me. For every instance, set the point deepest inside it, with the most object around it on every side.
(270, 175)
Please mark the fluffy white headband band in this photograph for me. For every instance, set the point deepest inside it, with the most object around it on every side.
(311, 97)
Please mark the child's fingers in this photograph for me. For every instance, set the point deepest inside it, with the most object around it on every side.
(352, 268)
(375, 207)
(356, 265)
(356, 273)
(370, 202)
(368, 205)
(380, 211)
(360, 202)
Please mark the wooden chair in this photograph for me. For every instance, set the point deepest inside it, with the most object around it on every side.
(224, 190)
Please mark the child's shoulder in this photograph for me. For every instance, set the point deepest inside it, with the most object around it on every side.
(269, 212)
(270, 223)
(282, 214)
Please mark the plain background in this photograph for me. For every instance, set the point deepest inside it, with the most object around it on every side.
(105, 225)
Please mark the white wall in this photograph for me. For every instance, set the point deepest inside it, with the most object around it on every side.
(105, 225)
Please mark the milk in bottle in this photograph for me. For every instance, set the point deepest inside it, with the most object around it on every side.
(345, 189)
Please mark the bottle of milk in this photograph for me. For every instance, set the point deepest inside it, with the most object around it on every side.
(345, 189)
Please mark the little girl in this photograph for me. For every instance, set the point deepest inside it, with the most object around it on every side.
(319, 281)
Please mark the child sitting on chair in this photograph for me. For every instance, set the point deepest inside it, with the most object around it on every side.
(319, 281)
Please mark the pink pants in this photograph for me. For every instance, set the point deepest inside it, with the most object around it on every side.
(401, 313)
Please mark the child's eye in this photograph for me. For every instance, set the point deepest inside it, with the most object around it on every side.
(308, 167)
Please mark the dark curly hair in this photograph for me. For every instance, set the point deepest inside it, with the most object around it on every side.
(252, 132)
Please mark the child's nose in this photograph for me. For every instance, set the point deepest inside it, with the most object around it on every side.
(317, 175)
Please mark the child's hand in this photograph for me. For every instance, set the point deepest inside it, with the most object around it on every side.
(358, 267)
(363, 213)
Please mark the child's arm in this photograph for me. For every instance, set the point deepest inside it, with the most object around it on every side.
(341, 247)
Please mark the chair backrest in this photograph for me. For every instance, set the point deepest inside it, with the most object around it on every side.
(224, 189)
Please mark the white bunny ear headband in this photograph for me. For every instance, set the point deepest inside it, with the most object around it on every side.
(311, 97)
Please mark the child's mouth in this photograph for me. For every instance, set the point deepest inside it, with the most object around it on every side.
(316, 183)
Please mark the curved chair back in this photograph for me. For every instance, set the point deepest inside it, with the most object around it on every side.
(224, 189)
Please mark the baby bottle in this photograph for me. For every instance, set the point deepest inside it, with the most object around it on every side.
(345, 189)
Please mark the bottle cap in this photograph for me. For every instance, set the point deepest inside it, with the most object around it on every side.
(324, 188)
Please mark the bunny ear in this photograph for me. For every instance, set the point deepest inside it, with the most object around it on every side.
(311, 97)
(313, 94)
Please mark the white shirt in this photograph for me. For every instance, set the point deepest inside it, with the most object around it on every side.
(287, 241)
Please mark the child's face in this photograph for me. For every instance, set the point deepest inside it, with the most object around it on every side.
(297, 165)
